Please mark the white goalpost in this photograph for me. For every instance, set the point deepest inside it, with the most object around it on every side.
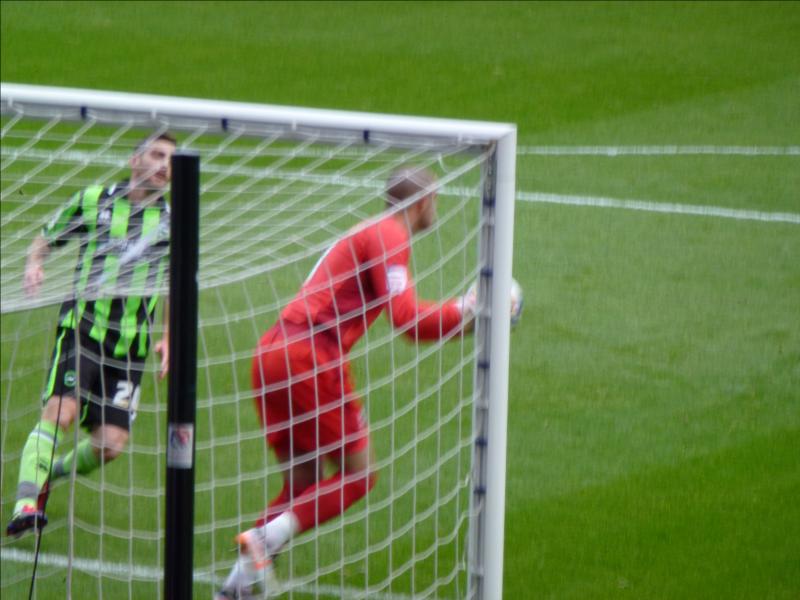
(278, 186)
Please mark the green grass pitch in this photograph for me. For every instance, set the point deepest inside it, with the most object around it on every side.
(654, 430)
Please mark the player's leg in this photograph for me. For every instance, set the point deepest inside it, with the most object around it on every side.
(299, 474)
(110, 407)
(340, 422)
(332, 496)
(60, 410)
(105, 443)
(274, 362)
(269, 371)
(341, 425)
(35, 464)
(319, 502)
(254, 567)
(326, 498)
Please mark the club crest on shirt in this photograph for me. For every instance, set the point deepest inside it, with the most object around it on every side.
(396, 279)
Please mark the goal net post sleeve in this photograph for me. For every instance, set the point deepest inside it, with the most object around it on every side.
(182, 391)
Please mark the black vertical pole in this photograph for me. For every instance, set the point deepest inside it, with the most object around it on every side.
(181, 398)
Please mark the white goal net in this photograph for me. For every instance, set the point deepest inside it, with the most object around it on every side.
(278, 187)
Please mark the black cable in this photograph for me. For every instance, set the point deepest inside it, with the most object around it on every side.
(39, 530)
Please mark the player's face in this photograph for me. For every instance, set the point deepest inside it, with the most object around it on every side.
(152, 166)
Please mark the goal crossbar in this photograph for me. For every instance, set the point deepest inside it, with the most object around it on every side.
(220, 113)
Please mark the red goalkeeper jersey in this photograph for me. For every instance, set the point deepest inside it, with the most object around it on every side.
(359, 276)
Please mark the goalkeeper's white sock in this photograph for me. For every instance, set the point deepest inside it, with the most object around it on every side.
(279, 531)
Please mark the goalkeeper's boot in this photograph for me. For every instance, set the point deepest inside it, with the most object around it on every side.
(253, 576)
(28, 518)
(257, 561)
(234, 589)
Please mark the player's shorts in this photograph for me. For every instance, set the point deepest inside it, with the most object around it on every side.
(304, 394)
(109, 386)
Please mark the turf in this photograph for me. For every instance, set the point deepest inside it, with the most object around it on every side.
(654, 408)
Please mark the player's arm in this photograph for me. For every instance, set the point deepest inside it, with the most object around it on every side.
(428, 320)
(419, 319)
(57, 232)
(38, 251)
(162, 346)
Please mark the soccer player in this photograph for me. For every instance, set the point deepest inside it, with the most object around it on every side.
(103, 331)
(304, 392)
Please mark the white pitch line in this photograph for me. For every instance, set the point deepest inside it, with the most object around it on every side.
(120, 159)
(91, 566)
(660, 207)
(658, 150)
(124, 570)
(649, 206)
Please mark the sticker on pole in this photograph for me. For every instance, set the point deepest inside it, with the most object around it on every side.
(180, 445)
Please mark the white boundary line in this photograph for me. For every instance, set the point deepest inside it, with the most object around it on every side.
(660, 207)
(96, 567)
(658, 150)
(596, 201)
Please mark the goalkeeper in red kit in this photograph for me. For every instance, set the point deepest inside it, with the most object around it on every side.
(301, 374)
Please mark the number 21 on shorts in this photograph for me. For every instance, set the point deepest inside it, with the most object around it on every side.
(127, 397)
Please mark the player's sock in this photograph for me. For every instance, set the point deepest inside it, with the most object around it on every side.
(34, 467)
(85, 457)
(329, 498)
(279, 531)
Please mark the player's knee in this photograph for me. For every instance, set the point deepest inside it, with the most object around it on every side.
(111, 441)
(110, 453)
(60, 410)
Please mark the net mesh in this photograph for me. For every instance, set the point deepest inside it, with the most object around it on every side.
(273, 199)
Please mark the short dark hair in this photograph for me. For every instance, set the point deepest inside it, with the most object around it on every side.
(407, 181)
(154, 137)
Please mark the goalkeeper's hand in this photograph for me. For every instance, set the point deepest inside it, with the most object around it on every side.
(468, 304)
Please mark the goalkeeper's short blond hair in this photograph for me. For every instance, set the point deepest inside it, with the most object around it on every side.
(407, 181)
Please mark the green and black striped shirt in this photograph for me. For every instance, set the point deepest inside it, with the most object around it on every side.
(124, 248)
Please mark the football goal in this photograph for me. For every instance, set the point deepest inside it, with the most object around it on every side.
(277, 187)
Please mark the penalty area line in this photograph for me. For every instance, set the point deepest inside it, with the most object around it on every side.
(144, 573)
(660, 207)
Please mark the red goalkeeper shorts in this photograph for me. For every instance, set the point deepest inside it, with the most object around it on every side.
(304, 394)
